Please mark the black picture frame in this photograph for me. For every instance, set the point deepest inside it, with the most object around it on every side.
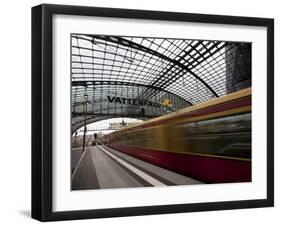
(42, 111)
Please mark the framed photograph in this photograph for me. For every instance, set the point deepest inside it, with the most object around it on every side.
(145, 112)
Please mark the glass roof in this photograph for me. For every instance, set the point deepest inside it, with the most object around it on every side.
(193, 70)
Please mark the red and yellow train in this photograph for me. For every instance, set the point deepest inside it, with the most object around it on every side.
(210, 141)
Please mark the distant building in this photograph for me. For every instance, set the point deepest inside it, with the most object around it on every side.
(238, 59)
(120, 125)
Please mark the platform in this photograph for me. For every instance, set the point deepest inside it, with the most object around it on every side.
(104, 167)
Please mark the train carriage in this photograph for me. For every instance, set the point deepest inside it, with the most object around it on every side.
(210, 142)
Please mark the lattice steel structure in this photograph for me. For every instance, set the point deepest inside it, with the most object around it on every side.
(146, 77)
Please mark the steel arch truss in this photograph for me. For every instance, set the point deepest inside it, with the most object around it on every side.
(123, 99)
(182, 72)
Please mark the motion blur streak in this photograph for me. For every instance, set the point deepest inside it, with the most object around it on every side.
(210, 142)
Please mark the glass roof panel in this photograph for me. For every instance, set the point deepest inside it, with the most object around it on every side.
(193, 70)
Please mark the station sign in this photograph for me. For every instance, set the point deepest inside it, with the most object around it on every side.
(132, 101)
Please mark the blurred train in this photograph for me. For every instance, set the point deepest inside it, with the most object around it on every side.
(210, 141)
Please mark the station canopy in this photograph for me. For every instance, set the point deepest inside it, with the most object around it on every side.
(143, 77)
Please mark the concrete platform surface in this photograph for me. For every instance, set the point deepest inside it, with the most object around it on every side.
(103, 167)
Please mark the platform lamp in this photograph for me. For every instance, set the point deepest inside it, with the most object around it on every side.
(85, 103)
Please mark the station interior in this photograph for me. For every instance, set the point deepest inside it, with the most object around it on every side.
(152, 111)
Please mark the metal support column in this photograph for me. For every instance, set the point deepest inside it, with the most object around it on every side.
(85, 120)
